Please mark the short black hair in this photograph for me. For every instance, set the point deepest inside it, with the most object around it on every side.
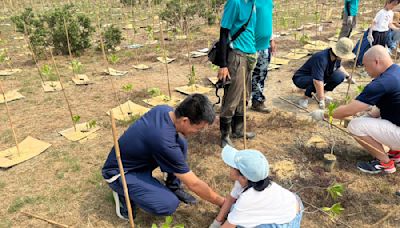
(196, 107)
(259, 185)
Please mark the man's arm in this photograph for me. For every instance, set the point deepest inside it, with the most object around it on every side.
(199, 187)
(350, 109)
(319, 87)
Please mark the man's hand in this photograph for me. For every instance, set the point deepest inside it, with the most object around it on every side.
(223, 74)
(370, 39)
(350, 20)
(318, 115)
(321, 104)
(215, 224)
(273, 47)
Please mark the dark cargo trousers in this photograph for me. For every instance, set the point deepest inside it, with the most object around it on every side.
(238, 65)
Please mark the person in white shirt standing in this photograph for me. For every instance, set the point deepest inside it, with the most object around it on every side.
(382, 22)
(256, 201)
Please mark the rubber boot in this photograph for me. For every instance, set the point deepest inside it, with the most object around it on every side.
(237, 128)
(225, 128)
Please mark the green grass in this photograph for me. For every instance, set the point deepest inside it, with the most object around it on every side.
(5, 223)
(20, 202)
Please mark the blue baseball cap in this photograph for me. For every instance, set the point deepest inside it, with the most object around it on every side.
(251, 163)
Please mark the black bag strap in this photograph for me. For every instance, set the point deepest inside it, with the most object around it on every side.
(243, 28)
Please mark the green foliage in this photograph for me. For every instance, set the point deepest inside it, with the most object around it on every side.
(360, 88)
(48, 29)
(304, 39)
(113, 59)
(335, 190)
(128, 87)
(168, 223)
(48, 72)
(36, 29)
(150, 32)
(91, 124)
(76, 118)
(154, 92)
(331, 108)
(112, 37)
(333, 211)
(192, 78)
(76, 66)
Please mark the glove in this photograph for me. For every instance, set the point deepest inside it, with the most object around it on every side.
(370, 39)
(317, 115)
(322, 104)
(215, 224)
(349, 20)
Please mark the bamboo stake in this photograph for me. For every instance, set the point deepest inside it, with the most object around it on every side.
(44, 219)
(334, 125)
(116, 95)
(62, 89)
(28, 42)
(9, 118)
(354, 66)
(69, 47)
(244, 108)
(165, 58)
(121, 170)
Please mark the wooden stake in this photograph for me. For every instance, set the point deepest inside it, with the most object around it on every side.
(69, 46)
(165, 58)
(116, 95)
(9, 118)
(121, 170)
(44, 219)
(354, 66)
(244, 108)
(62, 89)
(28, 42)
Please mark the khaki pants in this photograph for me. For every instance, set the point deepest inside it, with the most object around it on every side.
(232, 102)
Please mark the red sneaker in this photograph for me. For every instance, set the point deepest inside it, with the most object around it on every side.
(394, 155)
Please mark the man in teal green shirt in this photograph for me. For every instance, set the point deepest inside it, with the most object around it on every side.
(265, 45)
(349, 17)
(237, 58)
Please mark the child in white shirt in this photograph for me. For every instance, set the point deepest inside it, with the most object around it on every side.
(256, 201)
(382, 22)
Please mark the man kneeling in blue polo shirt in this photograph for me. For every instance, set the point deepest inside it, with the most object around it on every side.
(380, 125)
(157, 140)
(323, 72)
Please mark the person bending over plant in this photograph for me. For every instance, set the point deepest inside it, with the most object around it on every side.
(255, 200)
(380, 125)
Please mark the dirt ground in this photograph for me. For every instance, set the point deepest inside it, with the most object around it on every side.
(64, 183)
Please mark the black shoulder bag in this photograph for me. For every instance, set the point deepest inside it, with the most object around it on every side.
(213, 52)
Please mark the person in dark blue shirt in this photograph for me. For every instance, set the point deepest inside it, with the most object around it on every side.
(380, 125)
(157, 140)
(323, 72)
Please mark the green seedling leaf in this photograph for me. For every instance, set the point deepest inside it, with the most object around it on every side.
(192, 78)
(333, 211)
(154, 92)
(331, 108)
(128, 87)
(360, 89)
(168, 220)
(335, 190)
(91, 124)
(154, 226)
(76, 118)
(46, 70)
(76, 66)
(179, 226)
(113, 59)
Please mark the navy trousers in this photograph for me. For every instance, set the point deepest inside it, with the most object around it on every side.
(306, 82)
(148, 193)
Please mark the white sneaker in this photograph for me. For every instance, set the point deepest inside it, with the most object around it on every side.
(303, 102)
(119, 206)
